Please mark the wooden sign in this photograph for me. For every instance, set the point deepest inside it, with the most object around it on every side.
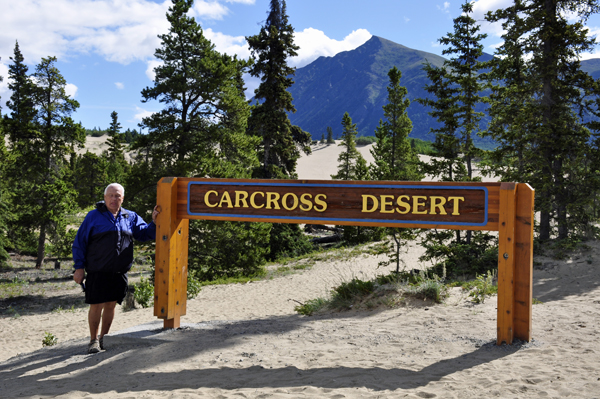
(503, 207)
(390, 203)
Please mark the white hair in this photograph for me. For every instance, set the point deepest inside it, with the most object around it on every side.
(115, 185)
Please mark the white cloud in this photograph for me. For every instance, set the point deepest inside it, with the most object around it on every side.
(210, 9)
(406, 19)
(71, 90)
(141, 113)
(228, 44)
(481, 7)
(150, 69)
(121, 31)
(4, 92)
(314, 44)
(445, 8)
(119, 85)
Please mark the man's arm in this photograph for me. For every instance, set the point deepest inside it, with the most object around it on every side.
(141, 230)
(80, 250)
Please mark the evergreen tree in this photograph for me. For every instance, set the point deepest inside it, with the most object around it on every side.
(19, 124)
(456, 88)
(5, 212)
(43, 193)
(448, 164)
(117, 165)
(330, 139)
(200, 131)
(115, 144)
(393, 155)
(392, 152)
(349, 158)
(323, 138)
(545, 108)
(90, 178)
(280, 144)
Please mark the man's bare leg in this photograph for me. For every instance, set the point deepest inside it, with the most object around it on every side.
(107, 317)
(94, 316)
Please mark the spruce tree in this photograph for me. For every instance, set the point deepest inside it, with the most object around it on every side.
(41, 148)
(394, 158)
(90, 178)
(201, 131)
(348, 160)
(272, 46)
(456, 89)
(457, 86)
(5, 212)
(544, 109)
(281, 142)
(117, 165)
(330, 139)
(392, 152)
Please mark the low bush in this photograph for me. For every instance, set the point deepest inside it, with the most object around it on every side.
(144, 292)
(49, 339)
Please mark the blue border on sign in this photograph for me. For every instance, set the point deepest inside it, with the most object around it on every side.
(321, 220)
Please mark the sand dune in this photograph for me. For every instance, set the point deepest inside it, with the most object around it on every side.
(246, 341)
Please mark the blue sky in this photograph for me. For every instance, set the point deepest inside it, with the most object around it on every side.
(105, 47)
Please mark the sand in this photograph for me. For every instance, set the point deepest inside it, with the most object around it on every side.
(246, 341)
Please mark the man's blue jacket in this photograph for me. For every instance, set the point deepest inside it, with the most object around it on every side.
(105, 244)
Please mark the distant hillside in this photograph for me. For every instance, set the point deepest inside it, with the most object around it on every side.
(355, 82)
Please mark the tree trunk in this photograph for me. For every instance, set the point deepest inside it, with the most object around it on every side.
(397, 252)
(41, 247)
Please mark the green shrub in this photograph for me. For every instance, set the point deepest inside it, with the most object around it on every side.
(365, 140)
(430, 288)
(221, 250)
(144, 292)
(311, 306)
(483, 286)
(354, 288)
(288, 241)
(354, 235)
(459, 258)
(193, 287)
(49, 339)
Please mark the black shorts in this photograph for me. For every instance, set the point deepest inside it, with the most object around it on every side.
(105, 287)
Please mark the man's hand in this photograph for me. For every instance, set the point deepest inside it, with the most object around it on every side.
(155, 213)
(78, 275)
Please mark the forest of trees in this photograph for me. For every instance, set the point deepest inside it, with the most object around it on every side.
(543, 113)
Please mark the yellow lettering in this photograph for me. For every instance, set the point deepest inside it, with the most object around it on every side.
(241, 197)
(385, 201)
(208, 204)
(437, 203)
(319, 202)
(367, 197)
(253, 200)
(272, 199)
(403, 204)
(455, 201)
(284, 201)
(225, 199)
(307, 202)
(417, 204)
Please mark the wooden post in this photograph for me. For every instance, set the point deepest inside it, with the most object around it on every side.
(170, 284)
(506, 263)
(523, 262)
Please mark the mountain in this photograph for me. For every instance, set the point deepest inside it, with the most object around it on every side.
(592, 67)
(355, 82)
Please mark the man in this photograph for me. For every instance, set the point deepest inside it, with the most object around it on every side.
(103, 248)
